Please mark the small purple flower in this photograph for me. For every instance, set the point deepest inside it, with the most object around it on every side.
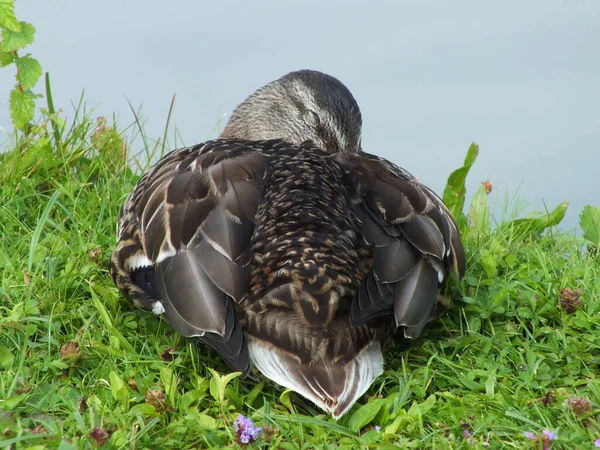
(549, 435)
(530, 435)
(597, 443)
(245, 429)
(377, 428)
(468, 436)
(546, 437)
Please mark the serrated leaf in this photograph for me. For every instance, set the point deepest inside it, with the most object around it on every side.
(14, 40)
(29, 71)
(7, 15)
(455, 191)
(542, 222)
(365, 414)
(22, 107)
(589, 221)
(6, 58)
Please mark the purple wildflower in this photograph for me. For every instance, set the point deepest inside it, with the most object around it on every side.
(549, 435)
(530, 435)
(468, 436)
(245, 429)
(377, 428)
(546, 437)
(597, 443)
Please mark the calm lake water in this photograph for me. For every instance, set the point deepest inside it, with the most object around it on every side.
(520, 79)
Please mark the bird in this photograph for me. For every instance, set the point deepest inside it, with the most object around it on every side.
(285, 247)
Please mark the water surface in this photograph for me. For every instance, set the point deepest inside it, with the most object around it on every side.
(520, 79)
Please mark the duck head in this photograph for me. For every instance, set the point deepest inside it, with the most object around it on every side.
(300, 106)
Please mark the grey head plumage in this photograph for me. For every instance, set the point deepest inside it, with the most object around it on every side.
(300, 106)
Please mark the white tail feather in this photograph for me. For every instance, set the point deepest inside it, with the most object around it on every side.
(347, 383)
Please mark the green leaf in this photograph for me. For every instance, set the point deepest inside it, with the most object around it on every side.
(474, 324)
(219, 383)
(6, 357)
(118, 389)
(116, 384)
(119, 339)
(10, 404)
(169, 381)
(488, 262)
(285, 400)
(256, 390)
(401, 421)
(6, 58)
(365, 414)
(191, 397)
(29, 71)
(542, 222)
(16, 39)
(589, 221)
(66, 445)
(144, 410)
(455, 191)
(490, 384)
(7, 15)
(418, 411)
(479, 213)
(22, 107)
(205, 421)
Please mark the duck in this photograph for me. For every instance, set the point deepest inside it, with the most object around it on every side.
(285, 247)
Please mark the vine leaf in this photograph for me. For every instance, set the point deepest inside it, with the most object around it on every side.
(8, 19)
(29, 71)
(589, 221)
(15, 40)
(22, 107)
(6, 58)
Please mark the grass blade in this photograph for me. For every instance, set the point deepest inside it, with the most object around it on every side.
(37, 232)
(52, 112)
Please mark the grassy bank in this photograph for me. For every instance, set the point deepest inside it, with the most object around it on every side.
(80, 368)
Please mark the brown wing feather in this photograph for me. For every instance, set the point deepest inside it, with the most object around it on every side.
(184, 237)
(414, 239)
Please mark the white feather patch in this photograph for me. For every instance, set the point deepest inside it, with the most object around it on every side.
(157, 308)
(136, 261)
(165, 253)
(360, 373)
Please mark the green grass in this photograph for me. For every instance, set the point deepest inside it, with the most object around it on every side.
(80, 368)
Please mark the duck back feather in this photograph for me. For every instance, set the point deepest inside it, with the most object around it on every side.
(297, 260)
